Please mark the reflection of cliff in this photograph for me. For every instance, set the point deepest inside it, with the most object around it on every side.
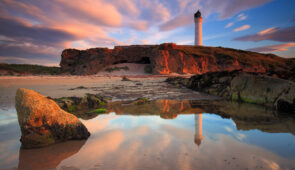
(167, 109)
(48, 157)
(245, 116)
(249, 116)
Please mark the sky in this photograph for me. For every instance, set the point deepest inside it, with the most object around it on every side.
(36, 32)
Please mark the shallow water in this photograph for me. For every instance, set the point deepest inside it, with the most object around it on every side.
(163, 134)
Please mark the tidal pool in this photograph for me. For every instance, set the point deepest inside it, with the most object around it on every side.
(163, 134)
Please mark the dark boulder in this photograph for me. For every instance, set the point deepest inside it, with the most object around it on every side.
(244, 87)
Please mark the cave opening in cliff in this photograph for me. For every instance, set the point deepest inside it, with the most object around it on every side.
(143, 60)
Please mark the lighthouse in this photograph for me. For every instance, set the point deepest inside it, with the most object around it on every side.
(198, 28)
(198, 129)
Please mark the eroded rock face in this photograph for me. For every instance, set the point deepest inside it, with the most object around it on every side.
(172, 58)
(244, 87)
(43, 122)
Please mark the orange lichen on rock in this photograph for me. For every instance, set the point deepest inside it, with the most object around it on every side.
(43, 122)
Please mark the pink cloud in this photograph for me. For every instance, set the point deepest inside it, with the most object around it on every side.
(273, 48)
(21, 7)
(275, 34)
(109, 16)
(242, 28)
(138, 25)
(229, 25)
(126, 6)
(268, 31)
(176, 22)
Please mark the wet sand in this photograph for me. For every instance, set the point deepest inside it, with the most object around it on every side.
(150, 86)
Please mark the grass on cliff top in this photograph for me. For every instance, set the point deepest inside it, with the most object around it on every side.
(31, 69)
(116, 69)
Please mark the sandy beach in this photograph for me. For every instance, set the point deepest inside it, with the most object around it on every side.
(152, 87)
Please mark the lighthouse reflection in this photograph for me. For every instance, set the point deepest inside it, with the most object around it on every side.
(198, 129)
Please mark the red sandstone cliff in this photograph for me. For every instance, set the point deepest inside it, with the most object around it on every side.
(171, 58)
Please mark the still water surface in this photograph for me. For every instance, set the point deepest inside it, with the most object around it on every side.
(163, 134)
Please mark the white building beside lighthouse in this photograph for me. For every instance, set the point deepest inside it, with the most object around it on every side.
(198, 28)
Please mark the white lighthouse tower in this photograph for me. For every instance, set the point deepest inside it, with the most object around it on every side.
(198, 28)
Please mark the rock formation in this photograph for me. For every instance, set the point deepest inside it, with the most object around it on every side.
(43, 122)
(244, 87)
(172, 58)
(80, 106)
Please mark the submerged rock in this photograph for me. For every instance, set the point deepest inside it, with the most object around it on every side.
(81, 106)
(244, 87)
(43, 122)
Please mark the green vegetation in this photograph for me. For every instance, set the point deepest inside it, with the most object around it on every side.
(248, 99)
(98, 111)
(30, 69)
(72, 108)
(234, 97)
(61, 99)
(101, 102)
(141, 101)
(148, 69)
(116, 69)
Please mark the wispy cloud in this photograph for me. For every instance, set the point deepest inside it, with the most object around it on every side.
(275, 34)
(229, 25)
(242, 17)
(232, 7)
(176, 22)
(242, 28)
(268, 31)
(273, 48)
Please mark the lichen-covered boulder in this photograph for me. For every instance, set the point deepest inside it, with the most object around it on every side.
(43, 122)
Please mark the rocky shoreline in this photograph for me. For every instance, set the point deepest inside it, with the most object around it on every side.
(244, 87)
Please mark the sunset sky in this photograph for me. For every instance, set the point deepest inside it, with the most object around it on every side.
(36, 31)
